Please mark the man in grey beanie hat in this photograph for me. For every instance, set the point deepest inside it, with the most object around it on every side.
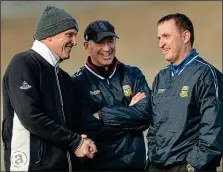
(38, 104)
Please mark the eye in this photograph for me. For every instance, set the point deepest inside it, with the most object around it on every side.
(69, 35)
(111, 41)
(166, 36)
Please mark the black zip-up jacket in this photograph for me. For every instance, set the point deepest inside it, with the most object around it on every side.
(118, 133)
(187, 117)
(36, 105)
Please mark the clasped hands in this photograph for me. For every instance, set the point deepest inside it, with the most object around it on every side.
(87, 148)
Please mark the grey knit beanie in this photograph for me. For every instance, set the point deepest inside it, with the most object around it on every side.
(53, 21)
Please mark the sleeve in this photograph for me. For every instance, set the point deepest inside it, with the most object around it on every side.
(84, 117)
(208, 150)
(136, 117)
(25, 96)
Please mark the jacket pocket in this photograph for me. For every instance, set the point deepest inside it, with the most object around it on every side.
(41, 151)
(5, 135)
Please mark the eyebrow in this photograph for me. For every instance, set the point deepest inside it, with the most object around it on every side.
(70, 31)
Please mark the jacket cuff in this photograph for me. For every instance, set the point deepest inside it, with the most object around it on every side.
(79, 145)
(75, 142)
(191, 162)
(100, 115)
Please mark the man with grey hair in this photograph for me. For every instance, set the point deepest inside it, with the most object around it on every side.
(114, 102)
(37, 105)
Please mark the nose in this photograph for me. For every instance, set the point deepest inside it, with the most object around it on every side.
(74, 40)
(161, 43)
(106, 46)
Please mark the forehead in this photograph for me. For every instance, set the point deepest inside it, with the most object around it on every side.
(70, 31)
(168, 26)
(104, 40)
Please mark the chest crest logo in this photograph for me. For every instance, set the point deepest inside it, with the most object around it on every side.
(184, 91)
(161, 91)
(127, 90)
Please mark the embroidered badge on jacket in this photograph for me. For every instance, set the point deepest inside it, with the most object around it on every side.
(25, 86)
(127, 90)
(184, 91)
(161, 91)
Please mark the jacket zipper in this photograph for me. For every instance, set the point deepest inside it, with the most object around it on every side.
(61, 100)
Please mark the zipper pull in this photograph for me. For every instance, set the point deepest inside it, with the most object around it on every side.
(108, 82)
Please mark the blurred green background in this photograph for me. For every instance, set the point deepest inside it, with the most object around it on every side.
(134, 21)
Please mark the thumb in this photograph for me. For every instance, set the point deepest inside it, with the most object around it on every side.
(84, 136)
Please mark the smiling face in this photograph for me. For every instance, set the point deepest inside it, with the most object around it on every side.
(63, 42)
(103, 52)
(173, 41)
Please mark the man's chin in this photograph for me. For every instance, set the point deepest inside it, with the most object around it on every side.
(168, 59)
(65, 58)
(107, 63)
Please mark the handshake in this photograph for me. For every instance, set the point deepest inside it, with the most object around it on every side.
(87, 148)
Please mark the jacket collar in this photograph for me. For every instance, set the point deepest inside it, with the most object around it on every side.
(46, 52)
(100, 70)
(177, 69)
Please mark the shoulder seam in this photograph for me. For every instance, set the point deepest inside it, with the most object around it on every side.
(12, 62)
(165, 67)
(214, 75)
(79, 72)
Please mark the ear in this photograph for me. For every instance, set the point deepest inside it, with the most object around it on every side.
(86, 44)
(186, 36)
(49, 39)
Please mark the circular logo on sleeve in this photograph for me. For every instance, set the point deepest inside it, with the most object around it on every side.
(18, 159)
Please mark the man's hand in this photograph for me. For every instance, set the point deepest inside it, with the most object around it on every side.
(87, 148)
(190, 168)
(139, 96)
(84, 136)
